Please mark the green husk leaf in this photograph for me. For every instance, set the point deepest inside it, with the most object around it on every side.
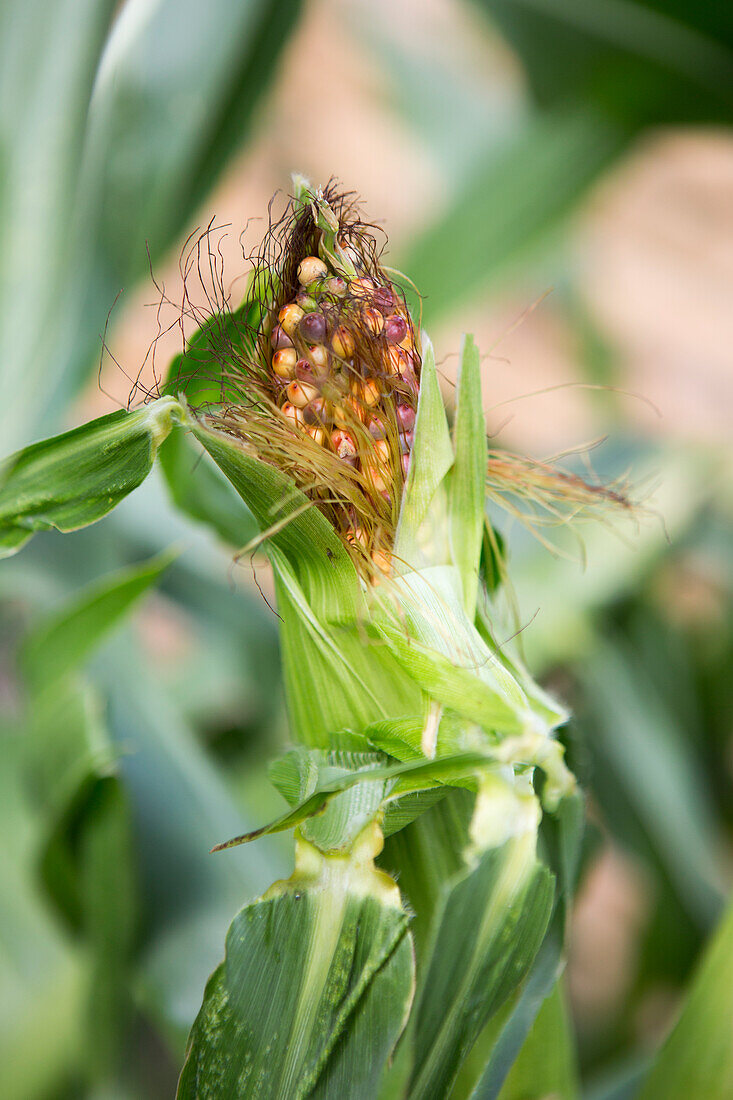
(200, 370)
(302, 534)
(430, 636)
(72, 480)
(486, 933)
(561, 835)
(199, 490)
(314, 990)
(422, 529)
(467, 484)
(332, 682)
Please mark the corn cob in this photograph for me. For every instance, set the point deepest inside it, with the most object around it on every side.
(331, 394)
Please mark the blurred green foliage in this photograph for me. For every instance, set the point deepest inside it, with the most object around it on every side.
(138, 754)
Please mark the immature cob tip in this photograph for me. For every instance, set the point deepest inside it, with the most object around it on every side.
(331, 394)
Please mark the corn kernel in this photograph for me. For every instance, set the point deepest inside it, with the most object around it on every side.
(373, 320)
(383, 561)
(397, 359)
(318, 355)
(301, 393)
(343, 443)
(342, 343)
(313, 328)
(289, 317)
(317, 434)
(310, 269)
(361, 287)
(292, 414)
(283, 362)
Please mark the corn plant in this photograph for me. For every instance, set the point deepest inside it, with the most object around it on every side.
(437, 828)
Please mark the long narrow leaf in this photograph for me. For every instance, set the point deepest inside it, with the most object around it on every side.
(64, 640)
(74, 479)
(697, 1059)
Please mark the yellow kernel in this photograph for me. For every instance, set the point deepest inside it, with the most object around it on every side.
(301, 394)
(382, 450)
(373, 320)
(376, 474)
(283, 362)
(317, 434)
(318, 356)
(396, 359)
(368, 393)
(289, 317)
(291, 413)
(361, 287)
(383, 561)
(342, 343)
(357, 536)
(348, 411)
(310, 269)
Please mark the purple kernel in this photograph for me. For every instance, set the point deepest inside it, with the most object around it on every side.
(382, 299)
(376, 428)
(406, 463)
(280, 339)
(405, 417)
(395, 329)
(304, 371)
(312, 328)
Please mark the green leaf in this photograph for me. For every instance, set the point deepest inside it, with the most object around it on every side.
(233, 49)
(110, 915)
(43, 976)
(468, 476)
(639, 60)
(501, 908)
(49, 53)
(353, 814)
(638, 739)
(152, 148)
(697, 1058)
(181, 803)
(74, 479)
(314, 990)
(65, 640)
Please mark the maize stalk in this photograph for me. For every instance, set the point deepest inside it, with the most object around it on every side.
(319, 402)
